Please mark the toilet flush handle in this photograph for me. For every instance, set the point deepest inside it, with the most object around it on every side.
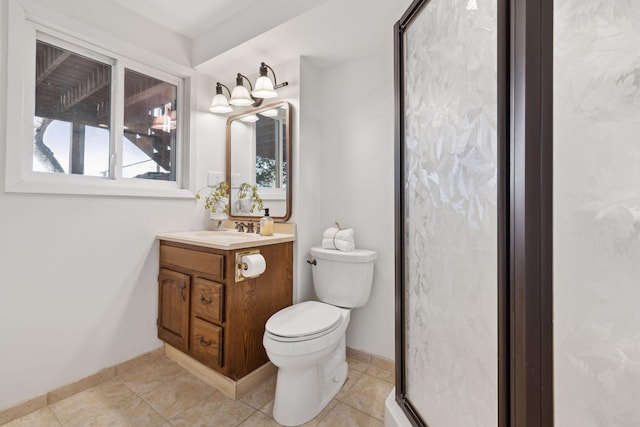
(312, 261)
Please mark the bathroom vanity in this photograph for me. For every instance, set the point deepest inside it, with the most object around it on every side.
(210, 314)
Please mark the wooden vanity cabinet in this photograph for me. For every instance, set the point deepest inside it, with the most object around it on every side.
(220, 322)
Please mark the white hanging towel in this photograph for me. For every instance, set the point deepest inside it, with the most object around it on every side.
(338, 238)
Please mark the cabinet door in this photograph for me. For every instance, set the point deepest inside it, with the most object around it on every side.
(173, 308)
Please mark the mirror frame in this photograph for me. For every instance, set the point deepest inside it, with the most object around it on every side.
(288, 193)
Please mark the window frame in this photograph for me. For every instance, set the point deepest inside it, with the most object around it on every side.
(23, 31)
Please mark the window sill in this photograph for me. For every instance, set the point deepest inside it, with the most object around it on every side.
(94, 186)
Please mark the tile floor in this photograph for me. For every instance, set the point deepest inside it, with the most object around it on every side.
(161, 393)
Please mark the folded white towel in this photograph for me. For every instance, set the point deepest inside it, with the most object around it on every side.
(340, 239)
(341, 245)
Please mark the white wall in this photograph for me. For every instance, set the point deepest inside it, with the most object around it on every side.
(307, 173)
(358, 182)
(78, 289)
(343, 170)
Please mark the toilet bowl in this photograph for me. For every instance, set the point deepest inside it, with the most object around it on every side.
(312, 367)
(306, 341)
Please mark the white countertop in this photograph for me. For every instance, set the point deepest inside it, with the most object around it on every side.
(226, 240)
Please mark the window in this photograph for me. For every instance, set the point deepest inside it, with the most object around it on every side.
(73, 120)
(94, 121)
(150, 127)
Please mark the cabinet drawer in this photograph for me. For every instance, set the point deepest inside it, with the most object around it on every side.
(206, 342)
(207, 300)
(203, 262)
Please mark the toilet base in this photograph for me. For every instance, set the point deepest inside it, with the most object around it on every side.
(301, 394)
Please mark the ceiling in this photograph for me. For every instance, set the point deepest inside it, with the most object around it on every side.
(231, 34)
(195, 18)
(333, 32)
(238, 34)
(192, 18)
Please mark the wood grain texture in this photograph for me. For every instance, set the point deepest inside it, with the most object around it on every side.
(198, 261)
(173, 308)
(207, 300)
(250, 303)
(239, 311)
(206, 342)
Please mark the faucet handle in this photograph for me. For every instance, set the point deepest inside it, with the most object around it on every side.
(240, 227)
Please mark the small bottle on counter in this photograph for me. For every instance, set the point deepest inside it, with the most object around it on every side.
(266, 224)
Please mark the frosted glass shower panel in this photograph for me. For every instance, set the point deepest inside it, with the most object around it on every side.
(596, 213)
(450, 213)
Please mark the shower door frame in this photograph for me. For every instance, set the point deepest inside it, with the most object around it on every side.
(525, 176)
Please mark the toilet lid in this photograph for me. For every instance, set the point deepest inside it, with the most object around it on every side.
(303, 319)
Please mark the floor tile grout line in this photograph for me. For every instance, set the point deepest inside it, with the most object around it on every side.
(214, 391)
(361, 411)
(351, 388)
(325, 415)
(133, 391)
(54, 414)
(246, 418)
(142, 398)
(365, 371)
(382, 379)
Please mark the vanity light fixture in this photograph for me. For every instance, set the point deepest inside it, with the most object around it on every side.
(219, 103)
(264, 87)
(241, 96)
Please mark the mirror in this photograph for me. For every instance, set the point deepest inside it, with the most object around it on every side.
(258, 154)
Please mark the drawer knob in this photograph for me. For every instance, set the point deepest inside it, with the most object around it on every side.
(205, 343)
(205, 301)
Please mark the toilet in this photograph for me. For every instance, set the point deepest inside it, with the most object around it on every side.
(306, 341)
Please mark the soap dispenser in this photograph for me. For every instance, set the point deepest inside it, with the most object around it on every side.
(266, 224)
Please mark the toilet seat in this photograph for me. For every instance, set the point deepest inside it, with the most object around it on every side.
(304, 321)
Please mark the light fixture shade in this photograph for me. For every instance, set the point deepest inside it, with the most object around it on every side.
(250, 118)
(220, 105)
(241, 96)
(264, 88)
(272, 112)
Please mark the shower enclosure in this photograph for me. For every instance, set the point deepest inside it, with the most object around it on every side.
(518, 213)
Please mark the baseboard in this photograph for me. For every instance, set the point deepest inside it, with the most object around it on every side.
(25, 408)
(230, 388)
(372, 359)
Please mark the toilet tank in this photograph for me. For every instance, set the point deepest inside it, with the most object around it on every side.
(342, 278)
